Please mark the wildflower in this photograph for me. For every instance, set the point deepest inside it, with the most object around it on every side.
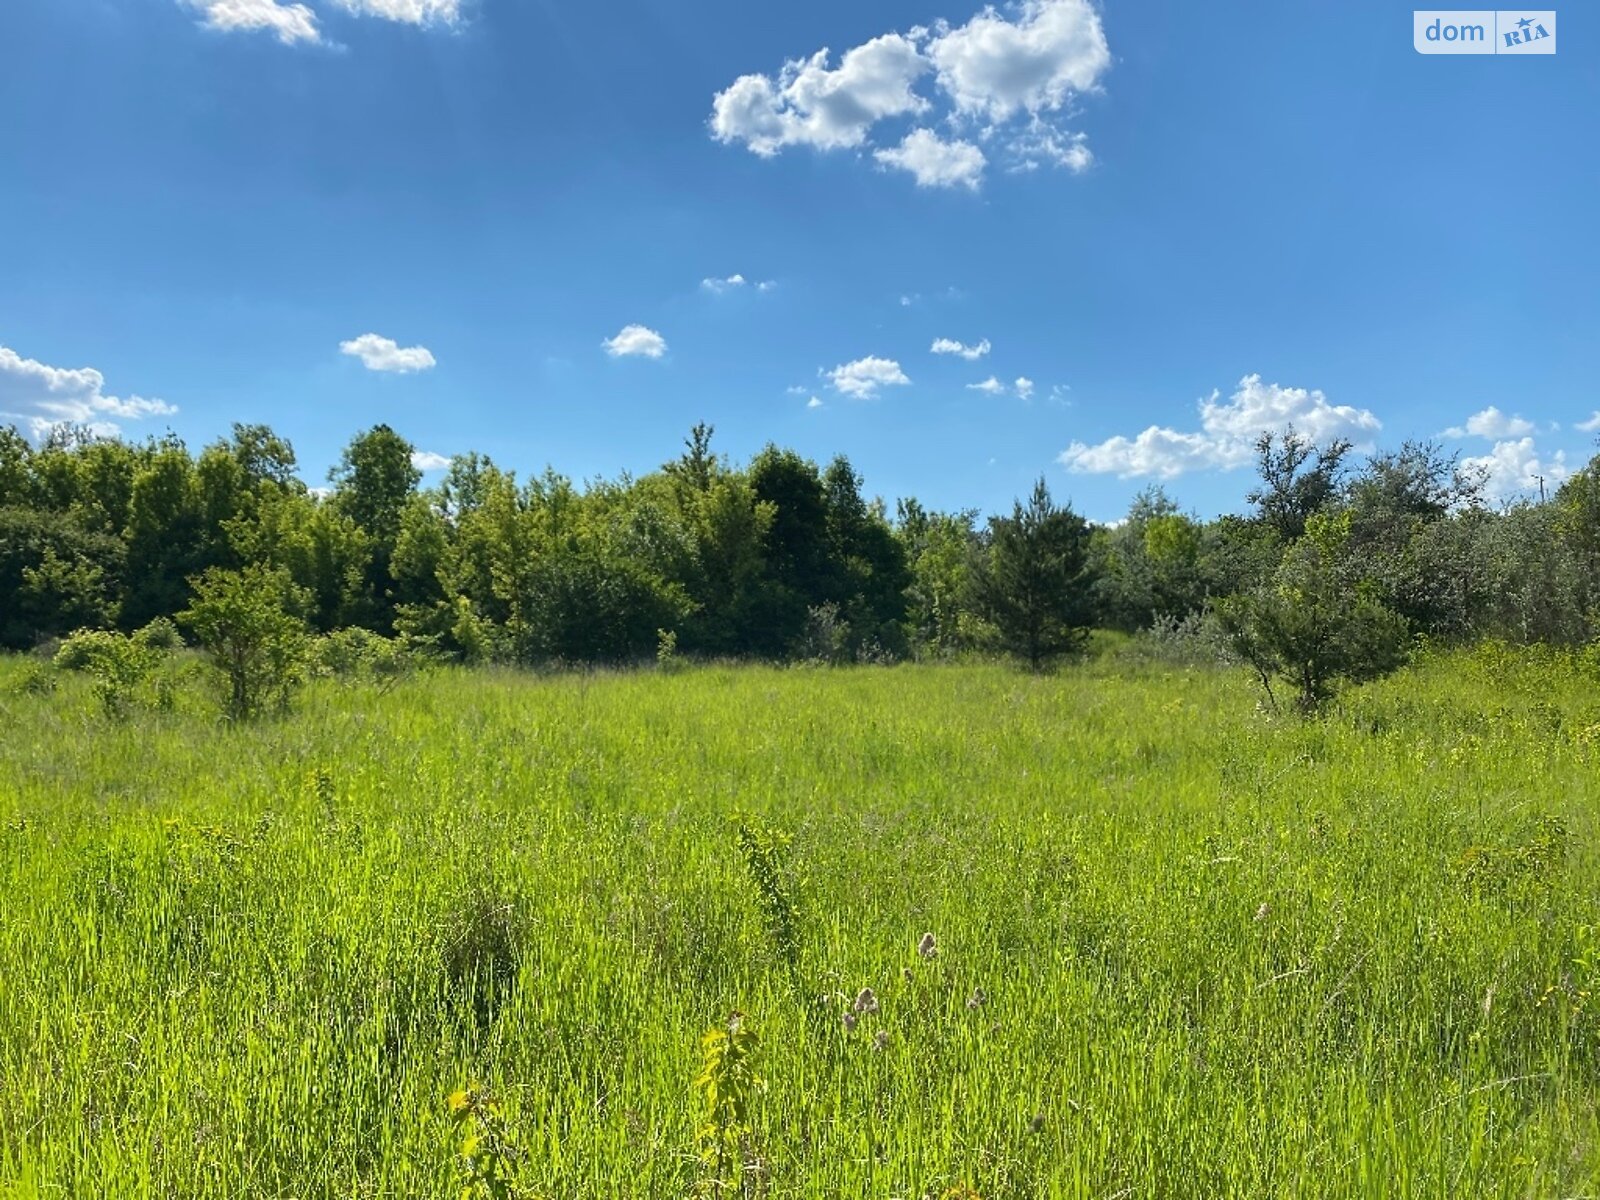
(977, 999)
(880, 1040)
(1261, 913)
(926, 946)
(849, 1020)
(866, 1001)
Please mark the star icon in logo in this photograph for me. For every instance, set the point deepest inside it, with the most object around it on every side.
(1524, 23)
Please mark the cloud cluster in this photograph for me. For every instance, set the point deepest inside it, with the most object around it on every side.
(636, 341)
(1514, 467)
(734, 283)
(1007, 79)
(1227, 434)
(862, 379)
(1591, 425)
(41, 396)
(384, 354)
(291, 22)
(1492, 424)
(951, 346)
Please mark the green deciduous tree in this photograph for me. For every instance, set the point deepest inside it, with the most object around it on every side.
(250, 624)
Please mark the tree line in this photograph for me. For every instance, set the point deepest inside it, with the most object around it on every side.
(779, 557)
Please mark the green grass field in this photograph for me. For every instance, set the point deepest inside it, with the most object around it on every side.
(1184, 948)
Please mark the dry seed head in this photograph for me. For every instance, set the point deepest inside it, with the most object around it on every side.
(977, 999)
(849, 1020)
(866, 1001)
(927, 947)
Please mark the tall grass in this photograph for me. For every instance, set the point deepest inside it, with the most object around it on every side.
(1184, 948)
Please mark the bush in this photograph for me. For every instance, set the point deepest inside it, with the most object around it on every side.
(117, 663)
(159, 634)
(361, 654)
(1316, 623)
(249, 623)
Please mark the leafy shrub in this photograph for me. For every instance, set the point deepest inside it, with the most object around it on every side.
(159, 634)
(248, 623)
(117, 663)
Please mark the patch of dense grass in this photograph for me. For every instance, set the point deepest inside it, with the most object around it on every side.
(1184, 948)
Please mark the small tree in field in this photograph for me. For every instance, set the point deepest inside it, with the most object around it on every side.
(1315, 624)
(1032, 582)
(248, 623)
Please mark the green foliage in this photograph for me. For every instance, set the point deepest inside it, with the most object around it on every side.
(766, 859)
(488, 1154)
(118, 664)
(248, 623)
(1315, 625)
(1033, 583)
(729, 1086)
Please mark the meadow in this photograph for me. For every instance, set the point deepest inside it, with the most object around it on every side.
(1181, 946)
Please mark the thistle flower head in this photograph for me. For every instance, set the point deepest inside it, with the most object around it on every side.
(880, 1040)
(866, 1001)
(849, 1020)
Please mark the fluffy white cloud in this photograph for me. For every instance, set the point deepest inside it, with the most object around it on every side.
(636, 341)
(1024, 387)
(865, 376)
(1591, 425)
(951, 346)
(810, 105)
(1006, 76)
(935, 162)
(1514, 467)
(41, 396)
(383, 354)
(427, 460)
(409, 12)
(1227, 434)
(990, 386)
(813, 403)
(1492, 425)
(994, 68)
(290, 23)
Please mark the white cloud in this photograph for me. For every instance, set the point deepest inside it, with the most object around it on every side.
(734, 283)
(797, 390)
(990, 386)
(1024, 387)
(409, 12)
(1227, 435)
(1514, 467)
(1008, 77)
(951, 346)
(1042, 142)
(427, 460)
(1492, 425)
(1589, 426)
(813, 403)
(42, 396)
(290, 23)
(935, 162)
(994, 68)
(636, 340)
(865, 376)
(383, 354)
(810, 105)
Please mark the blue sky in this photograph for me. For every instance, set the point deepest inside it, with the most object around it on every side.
(489, 223)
